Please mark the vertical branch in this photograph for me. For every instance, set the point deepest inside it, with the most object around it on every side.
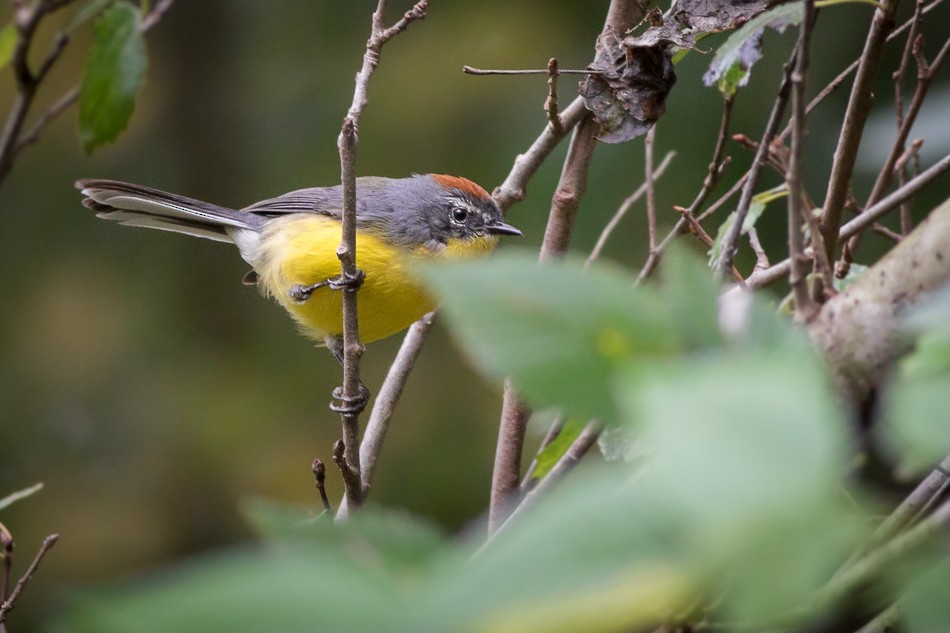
(507, 470)
(347, 457)
(651, 189)
(730, 244)
(804, 307)
(859, 107)
(709, 183)
(352, 348)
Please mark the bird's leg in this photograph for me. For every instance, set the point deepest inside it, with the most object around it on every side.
(349, 405)
(301, 293)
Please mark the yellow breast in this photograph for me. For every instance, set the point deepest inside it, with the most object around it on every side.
(301, 250)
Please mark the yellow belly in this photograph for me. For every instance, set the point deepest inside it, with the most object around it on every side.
(301, 250)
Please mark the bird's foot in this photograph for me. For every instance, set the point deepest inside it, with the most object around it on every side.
(301, 293)
(345, 280)
(350, 405)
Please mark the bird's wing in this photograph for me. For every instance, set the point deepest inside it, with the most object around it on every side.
(320, 200)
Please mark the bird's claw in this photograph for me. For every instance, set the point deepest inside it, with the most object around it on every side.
(301, 293)
(345, 280)
(350, 405)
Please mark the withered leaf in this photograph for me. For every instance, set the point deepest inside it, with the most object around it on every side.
(629, 93)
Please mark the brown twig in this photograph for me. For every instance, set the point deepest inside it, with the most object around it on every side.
(651, 189)
(625, 206)
(349, 460)
(761, 258)
(320, 478)
(571, 457)
(697, 229)
(730, 243)
(10, 602)
(27, 19)
(797, 209)
(852, 130)
(468, 70)
(898, 75)
(385, 405)
(880, 229)
(863, 221)
(550, 104)
(713, 173)
(514, 187)
(925, 74)
(564, 204)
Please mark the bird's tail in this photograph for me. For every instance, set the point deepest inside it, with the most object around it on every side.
(135, 205)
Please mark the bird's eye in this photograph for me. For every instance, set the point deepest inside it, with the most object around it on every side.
(459, 214)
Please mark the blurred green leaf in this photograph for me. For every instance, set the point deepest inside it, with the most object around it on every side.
(19, 495)
(8, 37)
(917, 402)
(692, 294)
(556, 449)
(751, 448)
(114, 72)
(926, 606)
(558, 330)
(91, 9)
(733, 60)
(618, 442)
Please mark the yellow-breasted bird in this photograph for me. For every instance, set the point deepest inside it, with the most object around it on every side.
(290, 242)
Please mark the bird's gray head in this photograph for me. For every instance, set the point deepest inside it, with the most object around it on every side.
(436, 211)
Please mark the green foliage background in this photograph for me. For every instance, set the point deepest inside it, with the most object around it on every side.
(151, 392)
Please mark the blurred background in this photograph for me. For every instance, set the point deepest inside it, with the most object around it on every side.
(152, 392)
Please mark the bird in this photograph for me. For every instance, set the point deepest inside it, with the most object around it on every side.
(290, 242)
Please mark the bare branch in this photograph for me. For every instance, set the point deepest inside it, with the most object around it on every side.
(352, 393)
(550, 104)
(651, 190)
(797, 209)
(625, 206)
(319, 478)
(863, 221)
(468, 70)
(10, 602)
(859, 106)
(716, 166)
(730, 244)
(514, 188)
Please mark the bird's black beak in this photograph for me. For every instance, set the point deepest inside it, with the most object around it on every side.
(502, 229)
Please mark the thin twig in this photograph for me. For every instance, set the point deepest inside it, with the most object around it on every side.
(761, 258)
(863, 221)
(468, 70)
(651, 189)
(348, 459)
(730, 244)
(385, 405)
(320, 478)
(564, 204)
(625, 206)
(550, 104)
(852, 130)
(32, 135)
(571, 457)
(9, 603)
(514, 187)
(27, 19)
(697, 229)
(898, 75)
(925, 74)
(709, 183)
(797, 209)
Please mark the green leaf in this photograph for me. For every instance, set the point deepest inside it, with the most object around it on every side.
(749, 449)
(8, 37)
(734, 59)
(91, 9)
(10, 499)
(752, 216)
(548, 457)
(917, 428)
(114, 72)
(559, 331)
(926, 606)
